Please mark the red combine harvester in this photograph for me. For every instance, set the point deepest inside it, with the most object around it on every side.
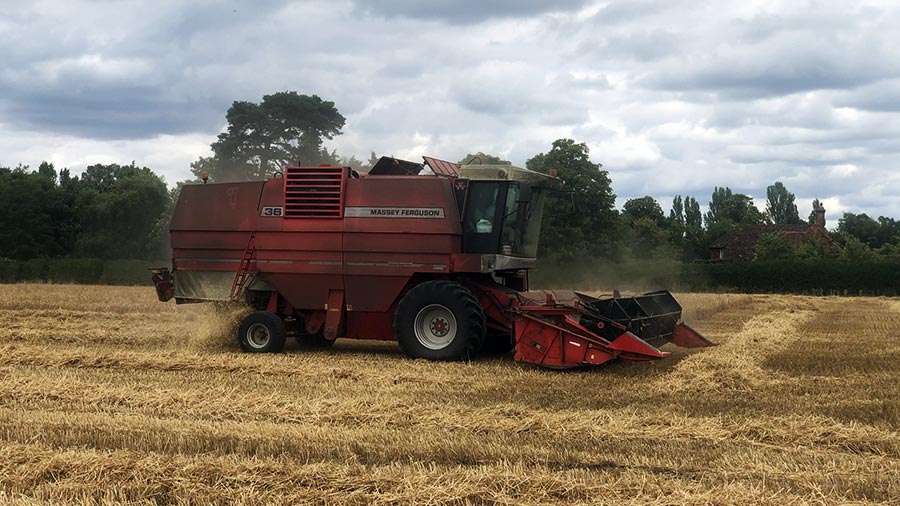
(438, 261)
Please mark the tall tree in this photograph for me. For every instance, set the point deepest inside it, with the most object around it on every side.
(861, 227)
(647, 226)
(686, 222)
(648, 239)
(119, 207)
(37, 222)
(643, 207)
(677, 212)
(483, 159)
(286, 128)
(589, 229)
(728, 208)
(693, 217)
(888, 230)
(46, 170)
(780, 205)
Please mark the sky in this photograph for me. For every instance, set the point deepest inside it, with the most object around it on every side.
(672, 97)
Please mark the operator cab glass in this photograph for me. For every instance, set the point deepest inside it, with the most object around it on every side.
(522, 221)
(502, 218)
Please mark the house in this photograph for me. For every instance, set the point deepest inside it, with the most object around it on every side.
(739, 245)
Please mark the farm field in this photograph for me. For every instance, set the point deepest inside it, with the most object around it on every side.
(108, 396)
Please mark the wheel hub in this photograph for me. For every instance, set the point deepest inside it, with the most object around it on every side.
(258, 335)
(435, 326)
(439, 326)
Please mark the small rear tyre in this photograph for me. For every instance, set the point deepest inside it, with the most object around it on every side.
(261, 332)
(439, 320)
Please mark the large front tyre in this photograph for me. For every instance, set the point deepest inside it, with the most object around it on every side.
(262, 332)
(439, 320)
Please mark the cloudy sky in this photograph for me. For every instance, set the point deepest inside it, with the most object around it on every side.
(673, 97)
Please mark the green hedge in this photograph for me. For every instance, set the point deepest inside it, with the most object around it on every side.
(828, 277)
(78, 270)
(825, 277)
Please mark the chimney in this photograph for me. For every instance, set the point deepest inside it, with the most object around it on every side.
(820, 215)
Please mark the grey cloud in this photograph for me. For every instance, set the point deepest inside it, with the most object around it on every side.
(622, 11)
(591, 82)
(675, 97)
(126, 115)
(517, 92)
(593, 133)
(803, 158)
(765, 25)
(104, 99)
(636, 43)
(61, 73)
(773, 54)
(742, 74)
(466, 11)
(880, 97)
(804, 111)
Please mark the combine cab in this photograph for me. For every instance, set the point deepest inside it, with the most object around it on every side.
(437, 261)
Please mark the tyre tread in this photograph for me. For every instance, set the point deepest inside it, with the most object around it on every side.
(473, 319)
(277, 328)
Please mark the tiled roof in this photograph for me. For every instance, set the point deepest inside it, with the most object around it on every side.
(740, 243)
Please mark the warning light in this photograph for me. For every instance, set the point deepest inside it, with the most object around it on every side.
(204, 176)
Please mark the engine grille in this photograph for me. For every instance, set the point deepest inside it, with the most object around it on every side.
(314, 192)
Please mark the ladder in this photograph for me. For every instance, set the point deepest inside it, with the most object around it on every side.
(243, 273)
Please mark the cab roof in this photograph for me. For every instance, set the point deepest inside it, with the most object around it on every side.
(508, 173)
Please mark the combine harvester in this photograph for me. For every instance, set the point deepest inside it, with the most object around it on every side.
(437, 261)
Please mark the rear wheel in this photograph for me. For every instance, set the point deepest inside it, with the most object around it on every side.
(261, 332)
(439, 320)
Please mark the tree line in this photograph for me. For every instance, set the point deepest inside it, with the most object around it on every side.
(113, 211)
(642, 230)
(108, 212)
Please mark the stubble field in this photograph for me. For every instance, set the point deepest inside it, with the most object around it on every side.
(107, 396)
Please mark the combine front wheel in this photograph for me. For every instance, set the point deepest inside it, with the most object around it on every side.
(261, 332)
(439, 320)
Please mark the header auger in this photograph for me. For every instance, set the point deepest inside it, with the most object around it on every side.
(438, 262)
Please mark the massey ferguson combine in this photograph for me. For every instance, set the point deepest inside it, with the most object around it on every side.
(437, 261)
